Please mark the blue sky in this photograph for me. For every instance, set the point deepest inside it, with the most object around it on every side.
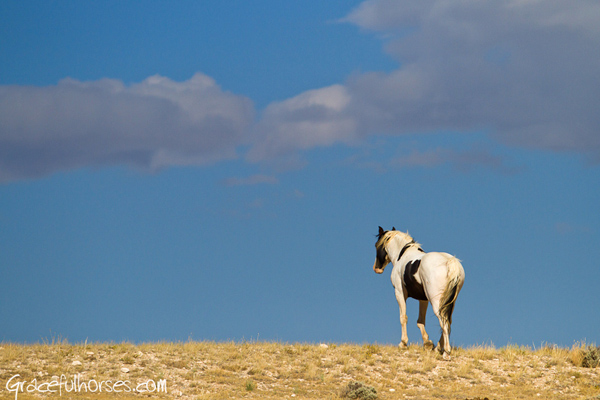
(217, 170)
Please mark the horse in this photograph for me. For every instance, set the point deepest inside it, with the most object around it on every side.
(434, 278)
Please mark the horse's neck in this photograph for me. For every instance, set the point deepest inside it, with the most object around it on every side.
(397, 246)
(410, 251)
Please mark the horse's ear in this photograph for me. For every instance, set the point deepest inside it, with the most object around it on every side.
(381, 230)
(393, 228)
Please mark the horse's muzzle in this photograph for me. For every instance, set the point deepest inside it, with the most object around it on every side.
(378, 270)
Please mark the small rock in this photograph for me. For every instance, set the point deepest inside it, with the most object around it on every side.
(125, 370)
(323, 346)
(76, 363)
(392, 390)
(90, 353)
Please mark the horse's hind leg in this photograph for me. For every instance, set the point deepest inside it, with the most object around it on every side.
(428, 344)
(445, 347)
(444, 344)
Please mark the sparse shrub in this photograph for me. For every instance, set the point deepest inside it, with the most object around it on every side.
(250, 385)
(290, 350)
(585, 356)
(358, 390)
(591, 357)
(127, 359)
(371, 349)
(176, 363)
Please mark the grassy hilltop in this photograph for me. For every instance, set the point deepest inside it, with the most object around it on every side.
(264, 370)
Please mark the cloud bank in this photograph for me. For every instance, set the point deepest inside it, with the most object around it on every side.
(149, 125)
(525, 71)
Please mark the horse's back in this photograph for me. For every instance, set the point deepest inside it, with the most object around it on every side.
(435, 267)
(436, 259)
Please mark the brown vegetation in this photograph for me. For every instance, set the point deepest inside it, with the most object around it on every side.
(257, 370)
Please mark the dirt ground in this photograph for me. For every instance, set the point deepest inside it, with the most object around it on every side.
(265, 370)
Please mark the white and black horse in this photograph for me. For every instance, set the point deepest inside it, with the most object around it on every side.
(434, 278)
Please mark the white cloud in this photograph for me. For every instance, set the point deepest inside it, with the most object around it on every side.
(524, 70)
(149, 125)
(464, 161)
(252, 180)
(314, 118)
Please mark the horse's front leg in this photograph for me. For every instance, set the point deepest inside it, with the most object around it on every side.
(428, 344)
(403, 318)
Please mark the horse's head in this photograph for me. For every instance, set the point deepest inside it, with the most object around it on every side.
(381, 256)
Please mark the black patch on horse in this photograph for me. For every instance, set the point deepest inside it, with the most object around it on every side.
(413, 288)
(381, 256)
(381, 252)
(406, 246)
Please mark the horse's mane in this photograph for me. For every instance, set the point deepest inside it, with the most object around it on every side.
(384, 237)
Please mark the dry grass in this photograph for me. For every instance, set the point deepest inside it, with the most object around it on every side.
(208, 370)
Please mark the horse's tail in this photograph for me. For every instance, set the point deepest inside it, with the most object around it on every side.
(456, 278)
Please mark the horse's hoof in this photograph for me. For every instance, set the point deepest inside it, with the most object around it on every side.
(403, 345)
(446, 356)
(428, 345)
